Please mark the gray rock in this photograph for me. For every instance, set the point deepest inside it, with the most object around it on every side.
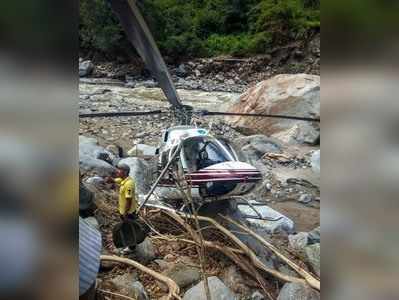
(141, 172)
(85, 68)
(315, 161)
(305, 198)
(145, 252)
(298, 241)
(95, 181)
(260, 144)
(297, 291)
(181, 70)
(163, 265)
(219, 77)
(313, 257)
(138, 291)
(257, 296)
(314, 235)
(287, 271)
(183, 275)
(218, 290)
(234, 280)
(89, 146)
(98, 166)
(113, 149)
(124, 283)
(282, 224)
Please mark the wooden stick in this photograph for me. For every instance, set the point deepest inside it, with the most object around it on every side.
(174, 289)
(116, 294)
(310, 279)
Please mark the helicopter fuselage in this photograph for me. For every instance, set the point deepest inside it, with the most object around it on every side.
(208, 166)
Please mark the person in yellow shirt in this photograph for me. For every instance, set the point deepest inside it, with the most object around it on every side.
(128, 203)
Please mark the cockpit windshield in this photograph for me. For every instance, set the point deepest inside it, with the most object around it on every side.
(202, 152)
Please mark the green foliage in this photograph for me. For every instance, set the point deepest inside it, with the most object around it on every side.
(285, 20)
(204, 27)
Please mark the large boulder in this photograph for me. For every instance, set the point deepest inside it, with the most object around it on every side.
(293, 95)
(141, 172)
(297, 291)
(218, 290)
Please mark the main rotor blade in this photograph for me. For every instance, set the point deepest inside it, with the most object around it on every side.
(121, 114)
(217, 113)
(141, 38)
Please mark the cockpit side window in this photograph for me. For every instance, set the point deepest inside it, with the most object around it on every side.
(202, 152)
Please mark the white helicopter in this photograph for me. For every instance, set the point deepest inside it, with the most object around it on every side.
(211, 167)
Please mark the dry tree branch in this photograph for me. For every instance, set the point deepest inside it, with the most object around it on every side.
(188, 199)
(174, 289)
(246, 267)
(310, 279)
(248, 252)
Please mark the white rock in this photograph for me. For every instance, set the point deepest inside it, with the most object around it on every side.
(283, 224)
(298, 241)
(315, 161)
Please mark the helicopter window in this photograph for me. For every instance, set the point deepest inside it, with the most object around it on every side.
(200, 153)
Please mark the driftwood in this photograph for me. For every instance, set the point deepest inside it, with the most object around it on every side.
(310, 279)
(174, 289)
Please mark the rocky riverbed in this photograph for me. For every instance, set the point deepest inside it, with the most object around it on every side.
(290, 189)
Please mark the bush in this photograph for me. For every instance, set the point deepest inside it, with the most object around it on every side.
(284, 20)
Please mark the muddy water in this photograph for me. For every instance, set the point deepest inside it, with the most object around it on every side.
(111, 95)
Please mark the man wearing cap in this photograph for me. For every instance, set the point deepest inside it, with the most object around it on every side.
(128, 204)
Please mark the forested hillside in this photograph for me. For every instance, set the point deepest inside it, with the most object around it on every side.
(203, 28)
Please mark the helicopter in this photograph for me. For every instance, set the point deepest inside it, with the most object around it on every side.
(213, 168)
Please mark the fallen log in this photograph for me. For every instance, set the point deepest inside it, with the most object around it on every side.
(174, 289)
